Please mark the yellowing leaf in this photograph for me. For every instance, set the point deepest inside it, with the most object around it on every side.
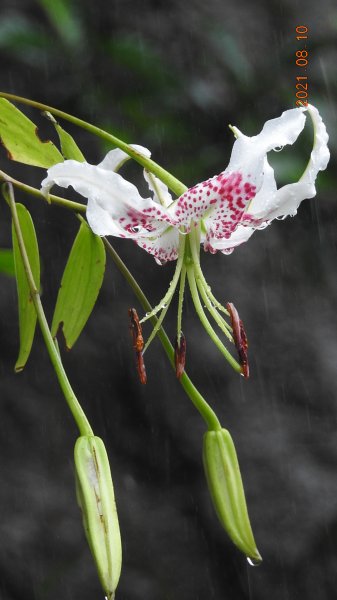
(20, 137)
(27, 314)
(81, 282)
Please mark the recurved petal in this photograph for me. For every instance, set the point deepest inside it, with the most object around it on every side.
(284, 202)
(223, 200)
(108, 191)
(116, 158)
(248, 153)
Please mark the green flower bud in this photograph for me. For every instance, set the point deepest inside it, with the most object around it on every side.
(225, 485)
(95, 496)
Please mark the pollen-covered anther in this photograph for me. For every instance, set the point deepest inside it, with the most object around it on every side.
(180, 355)
(240, 338)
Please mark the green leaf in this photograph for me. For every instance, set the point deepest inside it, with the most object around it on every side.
(81, 282)
(7, 262)
(27, 314)
(20, 137)
(69, 148)
(65, 20)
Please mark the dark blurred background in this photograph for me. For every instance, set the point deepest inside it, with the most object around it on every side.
(171, 76)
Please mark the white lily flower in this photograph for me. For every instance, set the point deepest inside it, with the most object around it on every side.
(229, 206)
(220, 213)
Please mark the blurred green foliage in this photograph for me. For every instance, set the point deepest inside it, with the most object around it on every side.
(7, 262)
(165, 75)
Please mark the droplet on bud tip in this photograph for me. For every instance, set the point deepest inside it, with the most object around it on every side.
(254, 562)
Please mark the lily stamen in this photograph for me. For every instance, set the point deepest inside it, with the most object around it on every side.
(220, 321)
(172, 287)
(205, 322)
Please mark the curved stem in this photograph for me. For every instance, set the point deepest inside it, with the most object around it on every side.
(174, 184)
(199, 402)
(75, 407)
(205, 322)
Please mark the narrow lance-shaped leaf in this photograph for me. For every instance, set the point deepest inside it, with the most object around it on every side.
(69, 148)
(80, 285)
(20, 137)
(27, 314)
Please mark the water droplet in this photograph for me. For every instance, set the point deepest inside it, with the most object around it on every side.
(254, 562)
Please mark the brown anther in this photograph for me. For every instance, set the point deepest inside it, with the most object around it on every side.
(138, 344)
(240, 338)
(141, 368)
(180, 355)
(136, 330)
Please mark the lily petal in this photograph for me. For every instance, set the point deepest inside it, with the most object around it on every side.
(116, 158)
(248, 153)
(222, 200)
(127, 213)
(284, 202)
(162, 247)
(227, 245)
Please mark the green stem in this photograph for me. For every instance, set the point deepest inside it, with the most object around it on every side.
(180, 303)
(76, 409)
(205, 322)
(174, 184)
(199, 402)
